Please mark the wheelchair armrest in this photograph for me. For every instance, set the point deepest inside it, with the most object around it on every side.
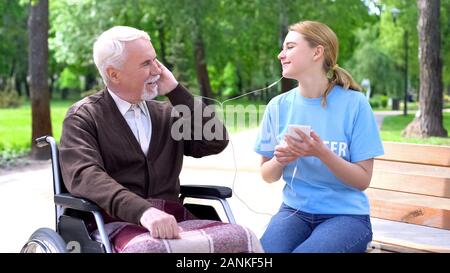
(69, 201)
(200, 191)
(41, 141)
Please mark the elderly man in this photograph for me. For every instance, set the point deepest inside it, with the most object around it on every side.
(117, 147)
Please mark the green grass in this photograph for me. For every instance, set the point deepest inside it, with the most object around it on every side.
(392, 127)
(15, 127)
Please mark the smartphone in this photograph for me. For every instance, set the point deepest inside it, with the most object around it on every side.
(306, 129)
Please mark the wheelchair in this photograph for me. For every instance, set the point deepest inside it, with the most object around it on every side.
(73, 215)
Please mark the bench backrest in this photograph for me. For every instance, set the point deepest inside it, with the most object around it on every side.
(411, 183)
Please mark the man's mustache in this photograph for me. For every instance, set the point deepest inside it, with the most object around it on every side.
(152, 79)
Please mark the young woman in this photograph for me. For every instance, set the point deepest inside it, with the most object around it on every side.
(324, 207)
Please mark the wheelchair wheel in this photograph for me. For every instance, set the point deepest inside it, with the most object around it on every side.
(44, 240)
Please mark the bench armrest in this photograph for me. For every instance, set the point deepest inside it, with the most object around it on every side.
(69, 201)
(200, 191)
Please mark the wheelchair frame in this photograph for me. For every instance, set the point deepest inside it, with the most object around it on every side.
(74, 229)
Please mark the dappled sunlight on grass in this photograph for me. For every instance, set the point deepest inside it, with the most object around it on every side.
(392, 127)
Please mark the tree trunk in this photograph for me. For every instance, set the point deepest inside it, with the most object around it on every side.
(91, 81)
(38, 70)
(430, 121)
(64, 93)
(286, 84)
(201, 68)
(27, 86)
(239, 83)
(51, 87)
(19, 86)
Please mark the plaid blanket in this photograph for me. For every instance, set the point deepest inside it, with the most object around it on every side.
(203, 236)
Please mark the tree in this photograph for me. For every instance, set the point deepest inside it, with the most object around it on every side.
(371, 62)
(38, 72)
(13, 46)
(392, 41)
(445, 50)
(197, 38)
(200, 54)
(286, 84)
(429, 122)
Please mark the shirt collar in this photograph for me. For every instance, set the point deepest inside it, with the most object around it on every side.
(124, 105)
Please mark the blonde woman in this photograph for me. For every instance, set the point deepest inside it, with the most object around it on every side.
(324, 207)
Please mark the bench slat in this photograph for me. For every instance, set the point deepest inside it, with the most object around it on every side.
(410, 208)
(403, 237)
(411, 168)
(418, 184)
(410, 198)
(382, 246)
(417, 153)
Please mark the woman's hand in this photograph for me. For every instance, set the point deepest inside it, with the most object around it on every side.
(305, 145)
(283, 155)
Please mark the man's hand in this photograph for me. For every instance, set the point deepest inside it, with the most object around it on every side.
(160, 224)
(167, 81)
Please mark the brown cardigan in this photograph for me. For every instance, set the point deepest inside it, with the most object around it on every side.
(101, 160)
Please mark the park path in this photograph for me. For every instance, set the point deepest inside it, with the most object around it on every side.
(380, 115)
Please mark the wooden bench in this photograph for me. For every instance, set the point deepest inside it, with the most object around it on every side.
(410, 199)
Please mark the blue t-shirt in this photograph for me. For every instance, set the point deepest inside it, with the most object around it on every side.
(346, 125)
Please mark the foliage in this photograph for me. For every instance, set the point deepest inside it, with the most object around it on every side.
(225, 81)
(378, 101)
(239, 34)
(445, 38)
(392, 36)
(9, 98)
(69, 79)
(371, 62)
(13, 45)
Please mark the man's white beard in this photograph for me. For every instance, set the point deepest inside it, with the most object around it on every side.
(150, 94)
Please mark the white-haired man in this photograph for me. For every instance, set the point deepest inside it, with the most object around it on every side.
(116, 146)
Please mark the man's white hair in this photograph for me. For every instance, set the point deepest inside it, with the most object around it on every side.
(109, 47)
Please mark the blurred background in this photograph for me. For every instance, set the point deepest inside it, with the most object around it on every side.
(219, 49)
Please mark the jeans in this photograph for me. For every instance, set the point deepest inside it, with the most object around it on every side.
(291, 230)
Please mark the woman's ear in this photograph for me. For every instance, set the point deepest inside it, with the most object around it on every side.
(318, 52)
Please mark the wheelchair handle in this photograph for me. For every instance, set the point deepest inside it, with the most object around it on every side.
(41, 141)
